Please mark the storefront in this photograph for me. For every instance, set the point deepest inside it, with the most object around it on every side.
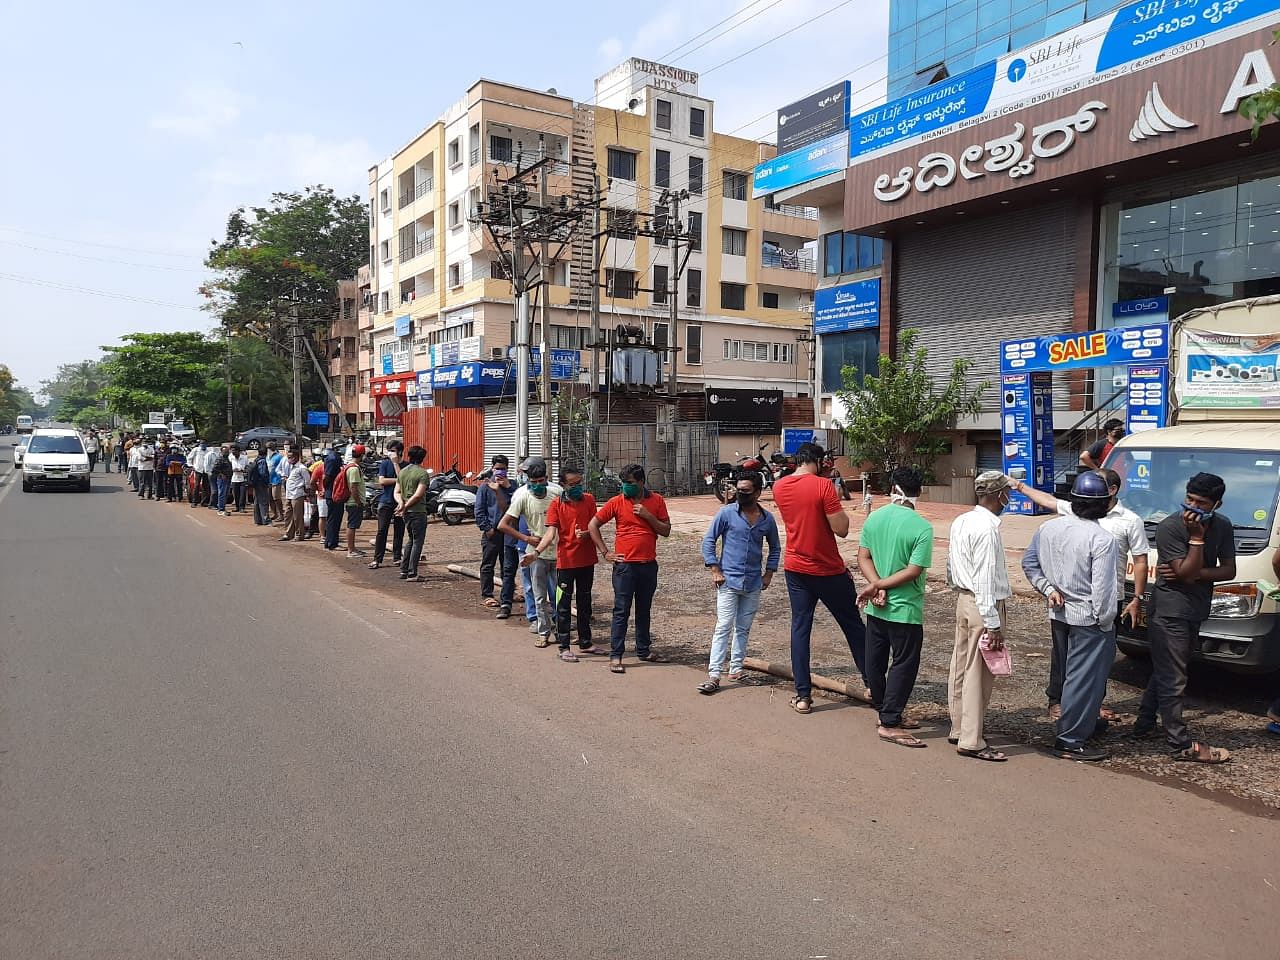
(391, 396)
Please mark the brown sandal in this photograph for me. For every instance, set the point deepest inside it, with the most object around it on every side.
(903, 740)
(1202, 753)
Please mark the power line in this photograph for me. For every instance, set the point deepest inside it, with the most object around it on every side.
(71, 288)
(85, 256)
(109, 246)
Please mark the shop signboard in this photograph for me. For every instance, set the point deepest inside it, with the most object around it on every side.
(565, 364)
(1148, 397)
(388, 365)
(426, 394)
(469, 348)
(849, 306)
(469, 375)
(317, 418)
(1228, 370)
(815, 117)
(404, 326)
(794, 437)
(828, 155)
(1145, 344)
(745, 411)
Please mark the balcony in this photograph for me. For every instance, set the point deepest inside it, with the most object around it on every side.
(406, 198)
(790, 221)
(406, 252)
(426, 243)
(795, 270)
(424, 187)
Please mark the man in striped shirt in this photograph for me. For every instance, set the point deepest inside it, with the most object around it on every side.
(1072, 561)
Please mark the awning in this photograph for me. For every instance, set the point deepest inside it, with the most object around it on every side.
(392, 385)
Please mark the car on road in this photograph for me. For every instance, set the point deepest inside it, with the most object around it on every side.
(25, 423)
(20, 449)
(55, 458)
(256, 437)
(179, 430)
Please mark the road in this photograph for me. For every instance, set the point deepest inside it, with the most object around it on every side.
(213, 745)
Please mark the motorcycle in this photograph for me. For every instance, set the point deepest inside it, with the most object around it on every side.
(784, 465)
(451, 497)
(721, 477)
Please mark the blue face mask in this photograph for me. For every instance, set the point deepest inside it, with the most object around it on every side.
(574, 493)
(1204, 515)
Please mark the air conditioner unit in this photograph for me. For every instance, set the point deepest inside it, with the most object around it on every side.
(496, 353)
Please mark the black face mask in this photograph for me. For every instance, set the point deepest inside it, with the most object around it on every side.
(746, 499)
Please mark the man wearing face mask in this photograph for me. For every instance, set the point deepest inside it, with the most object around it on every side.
(1112, 433)
(977, 569)
(894, 552)
(1197, 549)
(497, 550)
(530, 503)
(568, 519)
(641, 518)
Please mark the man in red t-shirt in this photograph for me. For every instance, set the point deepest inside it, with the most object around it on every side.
(815, 571)
(568, 519)
(641, 518)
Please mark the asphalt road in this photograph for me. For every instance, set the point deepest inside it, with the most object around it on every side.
(212, 745)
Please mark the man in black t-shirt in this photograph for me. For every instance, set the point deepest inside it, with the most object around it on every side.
(1196, 550)
(1112, 433)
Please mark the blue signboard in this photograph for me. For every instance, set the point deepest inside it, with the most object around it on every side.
(793, 437)
(1148, 398)
(800, 166)
(1080, 351)
(426, 395)
(1152, 26)
(469, 375)
(1026, 432)
(849, 306)
(388, 365)
(404, 326)
(565, 364)
(1146, 310)
(317, 418)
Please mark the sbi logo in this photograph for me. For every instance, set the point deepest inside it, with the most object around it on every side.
(1017, 70)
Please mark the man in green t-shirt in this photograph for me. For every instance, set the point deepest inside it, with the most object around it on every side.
(894, 552)
(355, 499)
(411, 503)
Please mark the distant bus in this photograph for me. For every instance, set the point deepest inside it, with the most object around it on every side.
(25, 423)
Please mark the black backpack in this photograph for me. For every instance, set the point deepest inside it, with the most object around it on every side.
(262, 470)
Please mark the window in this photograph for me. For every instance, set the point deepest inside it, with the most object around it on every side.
(735, 185)
(621, 223)
(662, 168)
(733, 296)
(386, 201)
(848, 252)
(455, 215)
(349, 384)
(473, 201)
(693, 343)
(697, 122)
(622, 164)
(733, 241)
(758, 351)
(660, 226)
(695, 176)
(693, 292)
(348, 308)
(455, 275)
(769, 300)
(497, 271)
(660, 284)
(474, 140)
(385, 301)
(384, 250)
(695, 230)
(455, 152)
(373, 212)
(620, 284)
(500, 149)
(783, 352)
(853, 348)
(663, 117)
(660, 334)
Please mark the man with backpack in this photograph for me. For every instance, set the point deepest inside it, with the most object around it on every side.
(348, 489)
(333, 518)
(259, 477)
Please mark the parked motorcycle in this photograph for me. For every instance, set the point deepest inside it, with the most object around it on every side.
(451, 497)
(721, 476)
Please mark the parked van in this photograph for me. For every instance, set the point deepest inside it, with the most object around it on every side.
(1225, 411)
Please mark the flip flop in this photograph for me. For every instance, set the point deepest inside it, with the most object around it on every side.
(986, 753)
(708, 687)
(909, 724)
(490, 602)
(1274, 727)
(542, 642)
(1202, 753)
(903, 740)
(652, 658)
(568, 656)
(615, 666)
(594, 651)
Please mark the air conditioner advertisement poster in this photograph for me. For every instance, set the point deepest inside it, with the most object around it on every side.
(1228, 369)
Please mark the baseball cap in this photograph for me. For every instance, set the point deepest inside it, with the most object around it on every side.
(358, 450)
(535, 467)
(990, 482)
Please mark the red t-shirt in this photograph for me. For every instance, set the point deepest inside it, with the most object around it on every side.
(317, 477)
(568, 518)
(635, 539)
(805, 500)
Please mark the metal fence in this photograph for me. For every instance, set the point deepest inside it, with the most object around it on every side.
(674, 456)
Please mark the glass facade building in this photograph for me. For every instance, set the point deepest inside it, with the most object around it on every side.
(930, 40)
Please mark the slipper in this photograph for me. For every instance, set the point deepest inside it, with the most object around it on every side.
(615, 666)
(1107, 714)
(907, 724)
(490, 602)
(652, 658)
(1274, 727)
(542, 641)
(802, 704)
(568, 656)
(903, 740)
(709, 686)
(986, 753)
(1201, 753)
(738, 676)
(594, 651)
(375, 565)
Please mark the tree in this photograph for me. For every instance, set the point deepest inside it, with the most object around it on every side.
(159, 371)
(73, 403)
(1263, 106)
(261, 384)
(85, 378)
(15, 399)
(899, 416)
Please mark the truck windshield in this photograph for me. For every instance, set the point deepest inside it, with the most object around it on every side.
(1155, 481)
(45, 444)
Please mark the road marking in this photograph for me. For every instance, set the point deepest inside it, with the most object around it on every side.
(192, 519)
(246, 550)
(6, 487)
(353, 615)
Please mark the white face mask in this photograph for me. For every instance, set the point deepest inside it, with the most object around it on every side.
(898, 496)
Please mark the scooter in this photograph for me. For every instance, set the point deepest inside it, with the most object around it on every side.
(458, 502)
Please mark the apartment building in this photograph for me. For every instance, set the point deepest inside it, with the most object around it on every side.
(344, 361)
(439, 296)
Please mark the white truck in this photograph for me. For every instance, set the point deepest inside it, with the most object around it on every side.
(1224, 395)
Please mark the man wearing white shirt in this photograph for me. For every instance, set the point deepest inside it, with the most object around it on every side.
(146, 469)
(1131, 542)
(297, 487)
(977, 568)
(201, 459)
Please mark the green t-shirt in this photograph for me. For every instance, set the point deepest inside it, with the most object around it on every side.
(409, 478)
(897, 536)
(355, 485)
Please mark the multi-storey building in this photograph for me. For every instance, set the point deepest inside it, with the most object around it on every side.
(344, 361)
(438, 289)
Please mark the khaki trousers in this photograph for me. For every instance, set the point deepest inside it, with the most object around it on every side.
(295, 525)
(970, 683)
(277, 501)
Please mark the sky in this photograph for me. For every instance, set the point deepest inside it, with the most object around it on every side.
(132, 130)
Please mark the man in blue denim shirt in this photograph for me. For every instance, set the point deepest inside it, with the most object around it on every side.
(744, 527)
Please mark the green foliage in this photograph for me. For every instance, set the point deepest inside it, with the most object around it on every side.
(70, 405)
(158, 371)
(88, 417)
(261, 384)
(85, 378)
(1263, 106)
(900, 416)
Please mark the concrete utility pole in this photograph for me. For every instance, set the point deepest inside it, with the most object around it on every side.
(673, 296)
(297, 370)
(544, 341)
(227, 377)
(597, 257)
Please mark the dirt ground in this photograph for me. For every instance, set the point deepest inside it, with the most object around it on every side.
(1222, 709)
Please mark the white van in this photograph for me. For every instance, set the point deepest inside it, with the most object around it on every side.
(25, 424)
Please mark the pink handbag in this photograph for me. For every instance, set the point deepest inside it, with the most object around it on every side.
(999, 662)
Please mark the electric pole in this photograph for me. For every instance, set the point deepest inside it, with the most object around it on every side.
(597, 258)
(673, 298)
(544, 341)
(297, 371)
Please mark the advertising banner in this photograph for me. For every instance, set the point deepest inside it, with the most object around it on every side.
(745, 411)
(404, 325)
(1226, 370)
(816, 117)
(1081, 351)
(469, 375)
(426, 395)
(800, 166)
(793, 437)
(1148, 397)
(1026, 433)
(849, 306)
(317, 418)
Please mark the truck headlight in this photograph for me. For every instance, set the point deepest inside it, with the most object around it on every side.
(1235, 600)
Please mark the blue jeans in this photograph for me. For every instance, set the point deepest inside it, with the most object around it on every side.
(221, 485)
(735, 611)
(633, 584)
(838, 595)
(1090, 653)
(333, 524)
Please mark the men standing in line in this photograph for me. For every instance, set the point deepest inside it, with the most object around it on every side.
(411, 503)
(278, 464)
(568, 519)
(174, 463)
(260, 481)
(146, 468)
(108, 449)
(640, 517)
(894, 553)
(333, 511)
(388, 472)
(297, 487)
(1131, 541)
(531, 503)
(497, 550)
(1071, 561)
(201, 493)
(1196, 549)
(91, 448)
(220, 475)
(976, 567)
(815, 571)
(132, 450)
(742, 528)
